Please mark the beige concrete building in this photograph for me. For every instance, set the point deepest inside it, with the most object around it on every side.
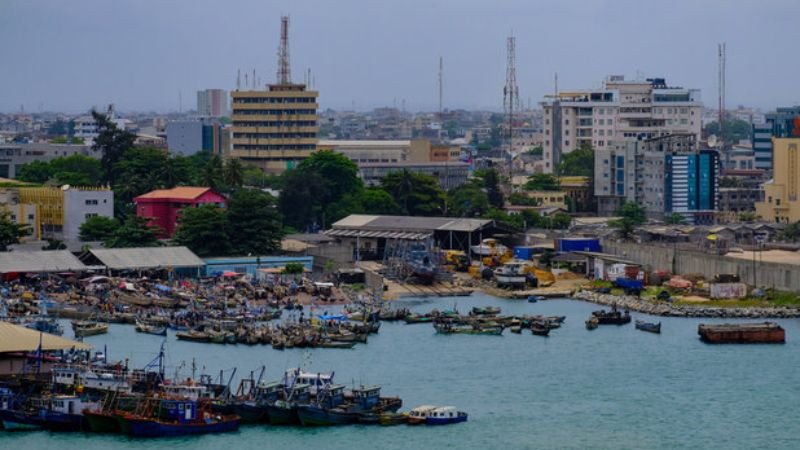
(274, 129)
(381, 151)
(620, 111)
(781, 193)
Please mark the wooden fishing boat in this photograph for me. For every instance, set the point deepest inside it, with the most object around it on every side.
(136, 300)
(418, 318)
(535, 298)
(88, 328)
(592, 322)
(613, 317)
(648, 326)
(335, 344)
(193, 335)
(393, 418)
(485, 311)
(540, 329)
(166, 302)
(448, 328)
(158, 330)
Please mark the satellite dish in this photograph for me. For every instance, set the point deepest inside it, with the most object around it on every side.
(65, 187)
(712, 140)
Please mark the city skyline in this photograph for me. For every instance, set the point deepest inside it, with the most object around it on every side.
(364, 55)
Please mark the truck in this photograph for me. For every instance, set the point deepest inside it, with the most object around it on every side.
(629, 285)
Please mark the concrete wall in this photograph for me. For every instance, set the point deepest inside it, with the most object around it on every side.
(785, 277)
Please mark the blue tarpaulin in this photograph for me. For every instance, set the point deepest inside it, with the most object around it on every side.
(163, 288)
(329, 317)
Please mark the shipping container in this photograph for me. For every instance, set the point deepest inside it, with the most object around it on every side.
(525, 253)
(564, 245)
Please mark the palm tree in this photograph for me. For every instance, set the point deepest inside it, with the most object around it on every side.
(233, 173)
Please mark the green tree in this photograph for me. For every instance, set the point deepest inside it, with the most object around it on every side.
(294, 268)
(579, 162)
(377, 201)
(204, 230)
(35, 172)
(112, 143)
(542, 182)
(178, 170)
(77, 170)
(98, 228)
(674, 219)
(311, 190)
(734, 130)
(417, 194)
(468, 200)
(213, 173)
(134, 232)
(747, 216)
(631, 215)
(535, 151)
(256, 225)
(10, 231)
(560, 221)
(233, 173)
(512, 220)
(490, 181)
(790, 233)
(138, 171)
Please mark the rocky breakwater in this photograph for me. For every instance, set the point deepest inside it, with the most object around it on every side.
(659, 308)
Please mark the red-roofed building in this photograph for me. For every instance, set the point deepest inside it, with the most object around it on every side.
(163, 206)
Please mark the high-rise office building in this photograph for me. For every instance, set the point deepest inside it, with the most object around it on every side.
(212, 103)
(275, 129)
(783, 123)
(620, 111)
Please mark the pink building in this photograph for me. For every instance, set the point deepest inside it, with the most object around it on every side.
(163, 206)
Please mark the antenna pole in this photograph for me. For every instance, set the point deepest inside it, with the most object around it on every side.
(510, 95)
(441, 87)
(284, 73)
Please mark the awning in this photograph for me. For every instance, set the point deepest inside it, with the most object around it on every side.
(15, 338)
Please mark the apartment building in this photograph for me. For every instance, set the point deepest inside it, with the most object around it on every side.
(620, 111)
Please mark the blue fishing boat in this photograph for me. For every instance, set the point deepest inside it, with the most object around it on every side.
(445, 415)
(57, 413)
(284, 412)
(648, 326)
(255, 410)
(180, 418)
(336, 408)
(535, 298)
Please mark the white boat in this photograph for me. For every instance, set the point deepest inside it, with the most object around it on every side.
(316, 381)
(510, 274)
(420, 414)
(489, 247)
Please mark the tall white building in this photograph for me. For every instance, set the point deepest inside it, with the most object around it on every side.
(620, 111)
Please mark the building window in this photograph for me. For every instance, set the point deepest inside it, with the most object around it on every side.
(13, 217)
(566, 121)
(30, 216)
(91, 202)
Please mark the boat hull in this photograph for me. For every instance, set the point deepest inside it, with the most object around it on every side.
(153, 428)
(312, 416)
(279, 415)
(744, 333)
(100, 422)
(251, 413)
(445, 421)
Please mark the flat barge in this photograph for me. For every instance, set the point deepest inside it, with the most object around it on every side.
(742, 333)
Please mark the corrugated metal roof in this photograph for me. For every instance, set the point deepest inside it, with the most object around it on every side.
(181, 192)
(378, 234)
(39, 261)
(409, 223)
(147, 257)
(14, 338)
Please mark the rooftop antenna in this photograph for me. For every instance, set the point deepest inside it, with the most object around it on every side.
(721, 81)
(254, 78)
(511, 93)
(284, 72)
(238, 79)
(246, 82)
(441, 87)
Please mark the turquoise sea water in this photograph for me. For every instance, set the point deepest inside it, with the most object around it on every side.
(614, 387)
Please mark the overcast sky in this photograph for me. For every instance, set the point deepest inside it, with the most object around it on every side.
(140, 54)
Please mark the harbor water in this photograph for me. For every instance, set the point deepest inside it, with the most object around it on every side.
(613, 387)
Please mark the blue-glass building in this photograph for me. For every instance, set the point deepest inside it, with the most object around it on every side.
(691, 185)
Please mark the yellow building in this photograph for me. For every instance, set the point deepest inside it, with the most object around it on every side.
(548, 198)
(781, 193)
(579, 190)
(274, 129)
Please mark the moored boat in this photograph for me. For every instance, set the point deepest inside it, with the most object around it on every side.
(613, 317)
(179, 418)
(419, 414)
(192, 335)
(540, 329)
(88, 328)
(445, 415)
(158, 330)
(592, 322)
(648, 326)
(742, 333)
